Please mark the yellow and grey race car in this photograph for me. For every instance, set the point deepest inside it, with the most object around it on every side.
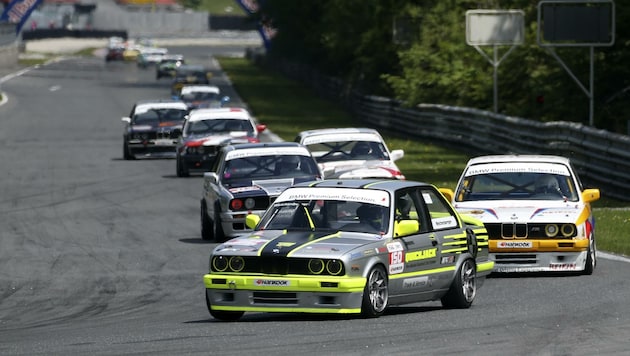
(349, 247)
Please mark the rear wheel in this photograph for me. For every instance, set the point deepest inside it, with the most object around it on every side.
(222, 314)
(375, 294)
(464, 287)
(206, 224)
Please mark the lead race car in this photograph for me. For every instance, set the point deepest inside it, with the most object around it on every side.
(349, 246)
(537, 212)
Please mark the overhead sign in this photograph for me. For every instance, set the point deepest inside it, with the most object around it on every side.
(495, 27)
(576, 23)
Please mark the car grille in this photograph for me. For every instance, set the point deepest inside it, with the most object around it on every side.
(275, 298)
(515, 258)
(518, 231)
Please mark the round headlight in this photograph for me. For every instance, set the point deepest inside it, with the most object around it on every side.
(237, 263)
(236, 204)
(219, 263)
(249, 203)
(334, 267)
(316, 266)
(567, 230)
(551, 230)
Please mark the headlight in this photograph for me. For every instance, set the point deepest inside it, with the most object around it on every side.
(219, 263)
(567, 230)
(551, 230)
(249, 203)
(334, 267)
(236, 204)
(237, 263)
(316, 266)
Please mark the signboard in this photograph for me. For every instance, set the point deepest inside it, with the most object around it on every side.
(576, 23)
(495, 27)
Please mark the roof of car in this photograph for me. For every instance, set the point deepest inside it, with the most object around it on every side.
(199, 88)
(511, 158)
(265, 148)
(338, 130)
(144, 105)
(218, 113)
(381, 184)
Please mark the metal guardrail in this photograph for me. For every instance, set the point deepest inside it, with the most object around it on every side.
(602, 158)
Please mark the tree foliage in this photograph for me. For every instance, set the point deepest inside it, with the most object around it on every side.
(430, 62)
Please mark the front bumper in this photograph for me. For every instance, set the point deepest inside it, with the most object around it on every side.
(305, 294)
(198, 163)
(152, 149)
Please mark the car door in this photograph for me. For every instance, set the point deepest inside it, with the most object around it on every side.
(421, 248)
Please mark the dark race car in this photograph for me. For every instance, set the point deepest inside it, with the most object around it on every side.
(153, 128)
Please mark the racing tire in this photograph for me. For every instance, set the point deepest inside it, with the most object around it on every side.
(375, 293)
(223, 315)
(217, 228)
(206, 224)
(126, 153)
(181, 169)
(471, 242)
(591, 258)
(464, 287)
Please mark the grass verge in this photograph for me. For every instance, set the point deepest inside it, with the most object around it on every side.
(288, 107)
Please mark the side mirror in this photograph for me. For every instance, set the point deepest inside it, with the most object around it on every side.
(126, 119)
(252, 220)
(396, 154)
(406, 227)
(261, 127)
(225, 100)
(210, 177)
(590, 195)
(447, 193)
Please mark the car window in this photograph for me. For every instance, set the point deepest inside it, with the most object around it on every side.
(348, 150)
(441, 215)
(517, 185)
(269, 167)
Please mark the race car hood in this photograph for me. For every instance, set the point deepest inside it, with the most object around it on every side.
(278, 243)
(162, 126)
(361, 169)
(270, 187)
(523, 211)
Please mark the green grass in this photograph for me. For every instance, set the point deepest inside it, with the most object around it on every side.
(221, 7)
(288, 107)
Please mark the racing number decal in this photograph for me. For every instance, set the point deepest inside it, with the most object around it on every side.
(396, 257)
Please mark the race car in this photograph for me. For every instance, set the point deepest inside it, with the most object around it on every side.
(206, 131)
(189, 74)
(245, 179)
(538, 214)
(352, 153)
(153, 128)
(167, 66)
(349, 246)
(202, 96)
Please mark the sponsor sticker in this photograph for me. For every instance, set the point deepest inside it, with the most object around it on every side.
(357, 195)
(417, 282)
(514, 244)
(529, 167)
(396, 257)
(271, 283)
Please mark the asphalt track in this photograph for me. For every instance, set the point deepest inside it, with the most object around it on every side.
(103, 256)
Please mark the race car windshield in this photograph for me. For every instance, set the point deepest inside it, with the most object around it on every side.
(155, 117)
(221, 126)
(348, 151)
(517, 185)
(336, 215)
(269, 167)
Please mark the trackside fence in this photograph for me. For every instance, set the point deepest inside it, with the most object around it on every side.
(602, 158)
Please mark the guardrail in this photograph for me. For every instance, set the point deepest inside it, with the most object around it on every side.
(602, 158)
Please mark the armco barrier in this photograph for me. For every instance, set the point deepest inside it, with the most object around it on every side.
(602, 158)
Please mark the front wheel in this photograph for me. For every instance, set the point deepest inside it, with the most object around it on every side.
(181, 169)
(375, 293)
(591, 258)
(126, 152)
(222, 314)
(463, 288)
(206, 224)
